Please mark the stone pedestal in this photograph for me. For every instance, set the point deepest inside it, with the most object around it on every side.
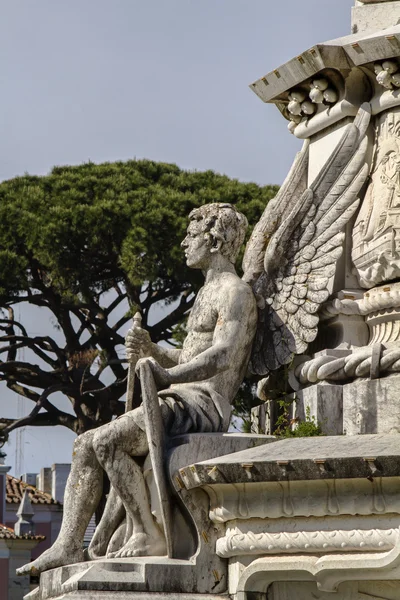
(362, 406)
(304, 518)
(133, 596)
(323, 404)
(372, 406)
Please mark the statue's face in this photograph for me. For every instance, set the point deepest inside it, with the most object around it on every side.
(196, 246)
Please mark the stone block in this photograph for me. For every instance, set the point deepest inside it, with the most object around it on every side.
(82, 595)
(374, 17)
(372, 406)
(323, 403)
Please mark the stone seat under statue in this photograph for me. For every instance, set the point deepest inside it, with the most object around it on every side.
(180, 452)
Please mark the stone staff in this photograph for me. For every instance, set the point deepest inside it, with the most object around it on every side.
(155, 435)
(155, 438)
(137, 323)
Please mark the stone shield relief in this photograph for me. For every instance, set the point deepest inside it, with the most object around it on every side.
(376, 234)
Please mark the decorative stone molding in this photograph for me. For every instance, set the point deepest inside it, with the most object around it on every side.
(371, 361)
(304, 104)
(317, 498)
(382, 298)
(328, 572)
(379, 308)
(387, 74)
(253, 544)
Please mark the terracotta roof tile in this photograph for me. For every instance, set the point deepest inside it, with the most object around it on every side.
(8, 534)
(15, 489)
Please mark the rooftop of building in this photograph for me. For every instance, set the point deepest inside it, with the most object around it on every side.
(15, 489)
(8, 534)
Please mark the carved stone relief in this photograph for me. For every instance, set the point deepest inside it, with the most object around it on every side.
(376, 234)
(290, 536)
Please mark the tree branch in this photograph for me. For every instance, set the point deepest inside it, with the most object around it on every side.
(12, 323)
(42, 402)
(41, 420)
(29, 374)
(26, 342)
(23, 391)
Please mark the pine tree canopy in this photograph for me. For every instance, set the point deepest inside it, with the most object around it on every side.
(90, 245)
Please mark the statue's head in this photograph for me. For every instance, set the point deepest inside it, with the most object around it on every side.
(213, 228)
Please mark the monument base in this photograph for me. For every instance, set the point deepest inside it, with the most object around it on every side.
(124, 578)
(135, 596)
(372, 406)
(362, 406)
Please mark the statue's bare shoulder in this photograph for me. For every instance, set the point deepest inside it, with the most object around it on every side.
(235, 296)
(227, 298)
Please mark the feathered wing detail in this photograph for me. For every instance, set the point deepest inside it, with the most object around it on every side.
(300, 259)
(276, 211)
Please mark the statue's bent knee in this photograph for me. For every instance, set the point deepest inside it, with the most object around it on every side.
(103, 446)
(83, 442)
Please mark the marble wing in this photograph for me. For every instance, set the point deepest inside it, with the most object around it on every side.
(300, 258)
(276, 211)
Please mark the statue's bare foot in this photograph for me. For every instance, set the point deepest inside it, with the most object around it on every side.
(141, 544)
(56, 556)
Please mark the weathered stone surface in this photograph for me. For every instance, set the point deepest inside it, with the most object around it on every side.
(123, 576)
(297, 459)
(372, 406)
(373, 16)
(323, 404)
(301, 258)
(134, 596)
(308, 536)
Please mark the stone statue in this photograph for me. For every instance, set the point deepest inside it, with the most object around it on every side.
(306, 517)
(196, 387)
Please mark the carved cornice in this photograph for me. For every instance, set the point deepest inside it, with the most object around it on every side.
(255, 544)
(327, 497)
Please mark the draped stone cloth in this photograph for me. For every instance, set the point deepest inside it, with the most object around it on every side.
(184, 408)
(190, 408)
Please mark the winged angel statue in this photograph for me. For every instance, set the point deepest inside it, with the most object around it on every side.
(292, 255)
(290, 262)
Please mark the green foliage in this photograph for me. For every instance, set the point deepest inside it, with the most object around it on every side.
(285, 427)
(245, 400)
(91, 226)
(86, 243)
(281, 402)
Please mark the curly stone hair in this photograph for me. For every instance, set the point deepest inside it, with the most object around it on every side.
(222, 222)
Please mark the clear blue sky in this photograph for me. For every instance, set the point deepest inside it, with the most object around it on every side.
(167, 80)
